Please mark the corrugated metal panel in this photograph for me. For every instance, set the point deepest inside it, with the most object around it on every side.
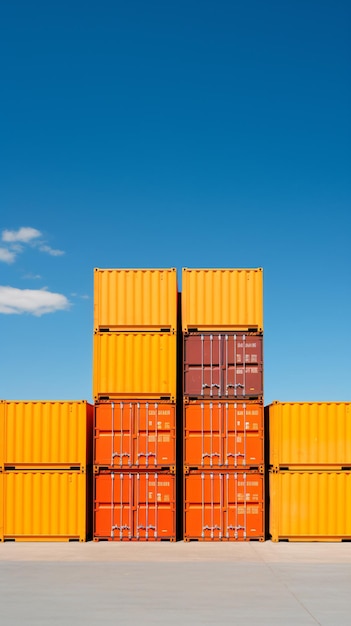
(134, 506)
(44, 506)
(217, 299)
(309, 434)
(224, 506)
(310, 506)
(224, 435)
(135, 435)
(135, 299)
(2, 433)
(134, 365)
(223, 365)
(47, 434)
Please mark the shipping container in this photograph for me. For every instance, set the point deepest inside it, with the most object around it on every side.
(223, 365)
(309, 434)
(135, 299)
(222, 299)
(310, 505)
(224, 506)
(45, 505)
(46, 434)
(134, 365)
(134, 506)
(223, 434)
(135, 435)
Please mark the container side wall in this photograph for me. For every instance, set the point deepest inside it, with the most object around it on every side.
(135, 299)
(310, 505)
(134, 365)
(44, 505)
(46, 434)
(219, 299)
(310, 434)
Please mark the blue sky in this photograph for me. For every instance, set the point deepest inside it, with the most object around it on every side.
(175, 134)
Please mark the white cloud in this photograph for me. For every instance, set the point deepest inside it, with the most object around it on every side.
(33, 301)
(7, 256)
(44, 248)
(25, 234)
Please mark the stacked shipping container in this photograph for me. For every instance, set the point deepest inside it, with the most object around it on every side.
(310, 470)
(45, 470)
(134, 388)
(223, 443)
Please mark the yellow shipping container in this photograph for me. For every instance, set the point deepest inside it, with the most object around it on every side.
(46, 434)
(310, 506)
(134, 365)
(309, 434)
(135, 299)
(222, 299)
(44, 506)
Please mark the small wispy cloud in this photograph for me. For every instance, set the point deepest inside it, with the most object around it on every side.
(16, 241)
(31, 276)
(31, 301)
(7, 256)
(25, 234)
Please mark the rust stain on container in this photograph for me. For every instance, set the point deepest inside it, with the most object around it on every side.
(44, 434)
(223, 435)
(309, 434)
(310, 506)
(216, 299)
(134, 365)
(44, 506)
(224, 506)
(135, 434)
(134, 506)
(135, 299)
(223, 365)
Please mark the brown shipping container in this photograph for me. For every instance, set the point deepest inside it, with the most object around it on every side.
(135, 435)
(224, 506)
(223, 365)
(225, 435)
(229, 299)
(134, 506)
(135, 299)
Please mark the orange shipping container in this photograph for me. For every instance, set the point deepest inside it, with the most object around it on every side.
(134, 365)
(224, 506)
(135, 299)
(225, 435)
(46, 434)
(135, 435)
(222, 299)
(134, 506)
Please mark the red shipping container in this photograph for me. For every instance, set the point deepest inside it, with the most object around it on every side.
(135, 435)
(223, 365)
(224, 506)
(224, 435)
(134, 506)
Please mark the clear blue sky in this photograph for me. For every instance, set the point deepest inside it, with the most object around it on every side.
(175, 134)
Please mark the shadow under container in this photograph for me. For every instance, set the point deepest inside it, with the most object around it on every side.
(224, 506)
(217, 299)
(135, 435)
(46, 435)
(45, 505)
(134, 506)
(305, 435)
(223, 435)
(135, 300)
(134, 365)
(310, 505)
(226, 365)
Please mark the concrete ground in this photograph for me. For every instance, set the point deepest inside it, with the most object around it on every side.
(181, 584)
